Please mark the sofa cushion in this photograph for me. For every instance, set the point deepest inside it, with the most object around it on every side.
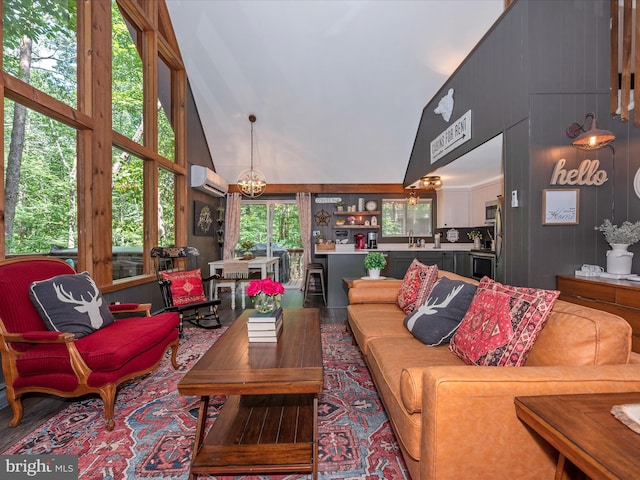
(416, 285)
(71, 303)
(435, 321)
(106, 350)
(186, 287)
(370, 320)
(387, 359)
(502, 324)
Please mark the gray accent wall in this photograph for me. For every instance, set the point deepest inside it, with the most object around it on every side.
(542, 66)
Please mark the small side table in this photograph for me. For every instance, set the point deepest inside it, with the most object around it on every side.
(584, 432)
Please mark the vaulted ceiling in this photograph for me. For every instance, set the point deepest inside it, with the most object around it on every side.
(338, 87)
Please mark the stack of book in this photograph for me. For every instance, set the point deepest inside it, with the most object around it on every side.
(265, 327)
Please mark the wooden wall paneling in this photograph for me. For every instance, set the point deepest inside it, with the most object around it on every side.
(513, 266)
(492, 82)
(101, 141)
(613, 55)
(626, 61)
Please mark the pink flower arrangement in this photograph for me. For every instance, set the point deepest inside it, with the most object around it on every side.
(266, 286)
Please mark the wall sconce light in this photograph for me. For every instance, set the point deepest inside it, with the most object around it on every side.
(431, 183)
(590, 139)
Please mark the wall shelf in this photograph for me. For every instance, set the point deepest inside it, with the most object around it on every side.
(358, 214)
(353, 227)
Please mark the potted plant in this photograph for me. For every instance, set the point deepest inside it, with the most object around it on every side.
(619, 260)
(374, 262)
(266, 294)
(476, 236)
(340, 205)
(246, 246)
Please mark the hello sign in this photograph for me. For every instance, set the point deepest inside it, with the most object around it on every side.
(586, 174)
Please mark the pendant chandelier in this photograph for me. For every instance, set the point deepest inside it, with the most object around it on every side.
(251, 182)
(413, 198)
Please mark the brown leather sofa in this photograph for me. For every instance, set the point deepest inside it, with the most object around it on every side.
(456, 421)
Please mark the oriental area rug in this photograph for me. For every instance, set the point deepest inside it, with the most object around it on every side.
(155, 425)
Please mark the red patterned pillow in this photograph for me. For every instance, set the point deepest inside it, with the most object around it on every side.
(186, 287)
(502, 324)
(416, 285)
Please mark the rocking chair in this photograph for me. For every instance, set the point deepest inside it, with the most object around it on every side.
(184, 290)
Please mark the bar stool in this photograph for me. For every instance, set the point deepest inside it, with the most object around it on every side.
(314, 268)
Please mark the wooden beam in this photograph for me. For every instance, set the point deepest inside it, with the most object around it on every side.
(100, 160)
(636, 68)
(626, 61)
(36, 100)
(84, 139)
(329, 188)
(613, 66)
(179, 121)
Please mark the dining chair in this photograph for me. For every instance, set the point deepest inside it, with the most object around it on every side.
(232, 272)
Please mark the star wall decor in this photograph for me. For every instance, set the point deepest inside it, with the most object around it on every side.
(322, 217)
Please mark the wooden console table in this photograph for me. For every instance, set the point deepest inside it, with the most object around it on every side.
(620, 297)
(584, 432)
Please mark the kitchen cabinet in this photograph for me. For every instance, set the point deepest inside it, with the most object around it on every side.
(400, 262)
(462, 263)
(453, 208)
(452, 261)
(433, 258)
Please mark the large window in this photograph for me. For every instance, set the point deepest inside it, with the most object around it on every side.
(126, 82)
(39, 45)
(93, 167)
(399, 219)
(40, 182)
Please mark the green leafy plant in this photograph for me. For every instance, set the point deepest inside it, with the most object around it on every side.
(628, 233)
(340, 203)
(247, 244)
(374, 261)
(474, 234)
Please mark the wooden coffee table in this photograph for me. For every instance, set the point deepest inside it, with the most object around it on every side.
(269, 423)
(584, 431)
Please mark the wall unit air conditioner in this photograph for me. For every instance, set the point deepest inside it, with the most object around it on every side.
(205, 179)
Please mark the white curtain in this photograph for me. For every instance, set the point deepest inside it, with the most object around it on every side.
(232, 224)
(304, 216)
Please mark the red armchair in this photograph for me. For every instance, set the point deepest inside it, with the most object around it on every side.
(35, 359)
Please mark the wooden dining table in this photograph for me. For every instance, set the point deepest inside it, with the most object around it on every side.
(263, 264)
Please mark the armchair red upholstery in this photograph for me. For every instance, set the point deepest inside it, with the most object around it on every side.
(35, 359)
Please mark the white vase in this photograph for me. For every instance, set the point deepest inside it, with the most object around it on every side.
(476, 244)
(374, 273)
(619, 260)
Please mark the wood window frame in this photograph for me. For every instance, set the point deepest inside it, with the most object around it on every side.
(93, 123)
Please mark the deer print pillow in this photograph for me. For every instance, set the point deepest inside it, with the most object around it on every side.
(437, 319)
(71, 303)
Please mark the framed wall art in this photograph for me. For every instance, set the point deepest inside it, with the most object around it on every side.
(560, 206)
(203, 219)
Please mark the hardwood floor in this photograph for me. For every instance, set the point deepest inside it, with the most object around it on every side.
(40, 407)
